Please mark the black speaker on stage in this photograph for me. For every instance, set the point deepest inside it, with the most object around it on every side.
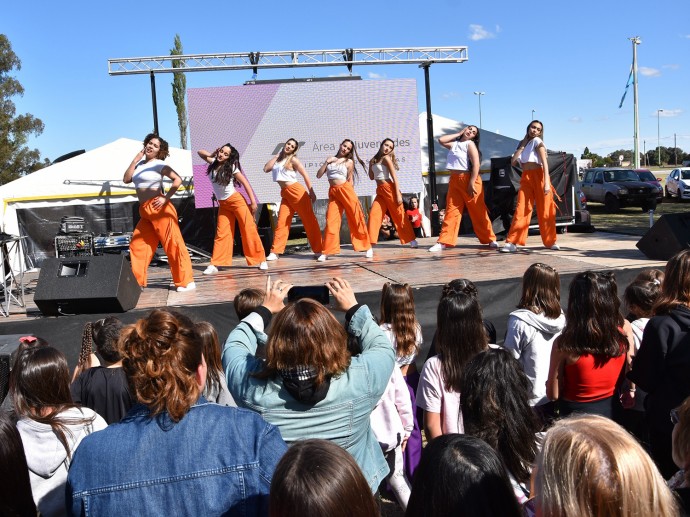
(86, 285)
(8, 346)
(669, 235)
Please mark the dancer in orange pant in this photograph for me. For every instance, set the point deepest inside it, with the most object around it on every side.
(294, 198)
(465, 190)
(535, 186)
(158, 221)
(382, 169)
(225, 173)
(341, 171)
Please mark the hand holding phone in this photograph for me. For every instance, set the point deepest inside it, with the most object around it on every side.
(315, 292)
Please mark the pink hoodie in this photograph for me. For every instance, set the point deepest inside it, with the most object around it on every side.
(392, 418)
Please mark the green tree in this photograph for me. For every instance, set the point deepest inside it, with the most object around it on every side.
(179, 91)
(16, 159)
(586, 154)
(614, 156)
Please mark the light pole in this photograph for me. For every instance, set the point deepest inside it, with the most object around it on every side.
(479, 95)
(532, 114)
(636, 140)
(658, 138)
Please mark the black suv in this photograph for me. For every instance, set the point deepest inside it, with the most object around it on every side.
(618, 188)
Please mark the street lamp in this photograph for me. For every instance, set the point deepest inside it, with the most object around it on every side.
(479, 95)
(533, 114)
(658, 138)
(636, 140)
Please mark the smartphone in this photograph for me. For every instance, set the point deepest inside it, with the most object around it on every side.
(319, 293)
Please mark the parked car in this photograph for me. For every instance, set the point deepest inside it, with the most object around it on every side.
(647, 176)
(617, 188)
(678, 183)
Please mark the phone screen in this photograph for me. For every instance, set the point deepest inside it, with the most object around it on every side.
(319, 293)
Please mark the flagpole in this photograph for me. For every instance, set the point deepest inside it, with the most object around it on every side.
(636, 144)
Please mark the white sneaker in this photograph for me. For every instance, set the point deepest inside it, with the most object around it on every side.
(509, 247)
(211, 270)
(184, 288)
(414, 244)
(369, 253)
(493, 244)
(263, 265)
(322, 258)
(556, 247)
(437, 247)
(272, 256)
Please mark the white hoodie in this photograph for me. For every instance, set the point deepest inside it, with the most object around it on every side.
(530, 337)
(47, 458)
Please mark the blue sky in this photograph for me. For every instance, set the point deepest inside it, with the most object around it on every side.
(567, 61)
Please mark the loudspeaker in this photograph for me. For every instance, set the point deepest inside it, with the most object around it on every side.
(86, 285)
(8, 346)
(669, 235)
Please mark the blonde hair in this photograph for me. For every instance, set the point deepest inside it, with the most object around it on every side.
(590, 466)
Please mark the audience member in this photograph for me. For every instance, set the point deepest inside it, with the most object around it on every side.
(680, 482)
(310, 385)
(662, 363)
(399, 322)
(589, 356)
(247, 300)
(103, 388)
(461, 476)
(174, 452)
(16, 499)
(533, 328)
(216, 389)
(316, 478)
(495, 407)
(589, 466)
(50, 424)
(415, 216)
(460, 335)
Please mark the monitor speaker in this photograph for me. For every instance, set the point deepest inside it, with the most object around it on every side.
(86, 285)
(669, 235)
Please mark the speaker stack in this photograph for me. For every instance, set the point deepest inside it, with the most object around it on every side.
(669, 235)
(86, 285)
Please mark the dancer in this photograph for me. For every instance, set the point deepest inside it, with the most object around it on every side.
(535, 186)
(225, 172)
(465, 190)
(341, 171)
(382, 169)
(158, 221)
(294, 198)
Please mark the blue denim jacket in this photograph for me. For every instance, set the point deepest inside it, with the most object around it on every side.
(343, 416)
(217, 460)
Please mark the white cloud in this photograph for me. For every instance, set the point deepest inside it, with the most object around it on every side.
(575, 120)
(478, 32)
(672, 66)
(450, 95)
(649, 72)
(668, 113)
(374, 75)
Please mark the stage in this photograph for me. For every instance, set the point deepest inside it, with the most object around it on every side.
(497, 275)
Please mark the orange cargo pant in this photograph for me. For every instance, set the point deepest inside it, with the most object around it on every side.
(386, 200)
(532, 189)
(343, 198)
(457, 200)
(159, 226)
(295, 198)
(234, 209)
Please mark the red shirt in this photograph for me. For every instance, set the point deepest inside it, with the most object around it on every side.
(417, 222)
(592, 377)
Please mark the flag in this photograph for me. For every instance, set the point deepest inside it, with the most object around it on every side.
(626, 88)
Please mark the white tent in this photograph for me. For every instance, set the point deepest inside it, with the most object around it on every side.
(91, 178)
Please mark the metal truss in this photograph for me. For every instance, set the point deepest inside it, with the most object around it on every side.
(287, 59)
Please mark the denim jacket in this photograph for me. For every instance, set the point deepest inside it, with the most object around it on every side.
(342, 416)
(216, 460)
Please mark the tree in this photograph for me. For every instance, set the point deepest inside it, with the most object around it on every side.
(16, 159)
(179, 91)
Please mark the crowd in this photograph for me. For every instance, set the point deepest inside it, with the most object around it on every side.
(581, 412)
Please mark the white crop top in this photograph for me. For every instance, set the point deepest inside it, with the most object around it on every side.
(529, 154)
(381, 172)
(280, 173)
(457, 159)
(147, 175)
(223, 192)
(336, 171)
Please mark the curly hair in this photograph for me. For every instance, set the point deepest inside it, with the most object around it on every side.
(593, 322)
(397, 309)
(495, 407)
(163, 151)
(379, 155)
(541, 291)
(225, 172)
(675, 289)
(161, 355)
(305, 333)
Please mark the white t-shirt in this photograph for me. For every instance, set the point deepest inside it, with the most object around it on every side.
(458, 159)
(433, 397)
(223, 192)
